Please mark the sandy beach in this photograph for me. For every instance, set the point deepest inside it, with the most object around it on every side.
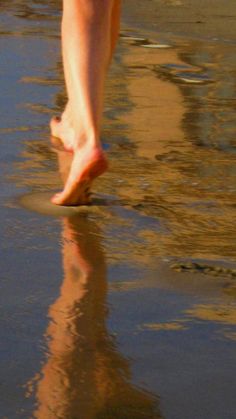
(214, 20)
(127, 308)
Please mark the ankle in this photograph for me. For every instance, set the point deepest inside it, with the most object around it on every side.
(88, 138)
(90, 144)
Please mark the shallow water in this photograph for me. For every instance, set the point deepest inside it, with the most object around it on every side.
(125, 309)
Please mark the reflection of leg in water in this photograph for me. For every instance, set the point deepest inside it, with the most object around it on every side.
(84, 377)
(67, 389)
(88, 43)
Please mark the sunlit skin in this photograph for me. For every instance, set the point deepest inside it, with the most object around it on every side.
(90, 30)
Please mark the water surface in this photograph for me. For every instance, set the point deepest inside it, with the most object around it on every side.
(127, 309)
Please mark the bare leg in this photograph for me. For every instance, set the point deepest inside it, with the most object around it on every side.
(61, 127)
(86, 43)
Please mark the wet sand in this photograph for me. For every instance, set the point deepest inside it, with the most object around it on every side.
(126, 309)
(214, 20)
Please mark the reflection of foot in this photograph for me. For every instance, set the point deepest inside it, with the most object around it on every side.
(88, 163)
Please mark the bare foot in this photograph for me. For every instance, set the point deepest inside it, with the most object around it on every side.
(87, 164)
(62, 129)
